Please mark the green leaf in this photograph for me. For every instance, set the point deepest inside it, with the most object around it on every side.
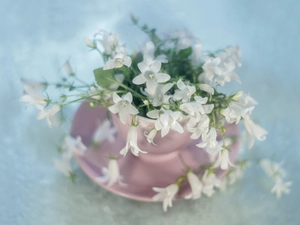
(184, 53)
(104, 78)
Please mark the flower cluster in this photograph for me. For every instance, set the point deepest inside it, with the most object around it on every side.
(276, 173)
(171, 81)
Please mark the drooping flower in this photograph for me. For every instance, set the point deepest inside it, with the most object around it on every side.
(131, 143)
(33, 97)
(74, 146)
(166, 194)
(195, 184)
(104, 131)
(63, 165)
(150, 136)
(150, 75)
(227, 75)
(185, 92)
(223, 160)
(209, 181)
(109, 41)
(276, 172)
(111, 175)
(197, 128)
(281, 187)
(211, 69)
(48, 113)
(254, 131)
(36, 86)
(148, 54)
(123, 106)
(159, 97)
(241, 106)
(235, 173)
(119, 60)
(219, 70)
(272, 169)
(209, 142)
(232, 54)
(166, 121)
(197, 108)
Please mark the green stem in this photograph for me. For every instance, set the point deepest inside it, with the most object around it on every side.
(129, 89)
(81, 81)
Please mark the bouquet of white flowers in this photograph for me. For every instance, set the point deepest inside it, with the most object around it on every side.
(171, 81)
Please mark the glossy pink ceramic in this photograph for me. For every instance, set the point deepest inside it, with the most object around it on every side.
(160, 167)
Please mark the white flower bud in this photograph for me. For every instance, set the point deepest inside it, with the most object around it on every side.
(89, 43)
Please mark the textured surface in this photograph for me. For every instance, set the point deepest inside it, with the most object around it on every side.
(38, 36)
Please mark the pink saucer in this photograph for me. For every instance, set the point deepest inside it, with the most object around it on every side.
(139, 175)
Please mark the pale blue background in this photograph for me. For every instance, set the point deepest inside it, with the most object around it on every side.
(36, 37)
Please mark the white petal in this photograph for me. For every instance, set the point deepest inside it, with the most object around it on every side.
(110, 64)
(162, 77)
(151, 86)
(207, 88)
(201, 145)
(116, 98)
(123, 117)
(133, 110)
(142, 67)
(124, 151)
(166, 87)
(154, 114)
(127, 61)
(177, 127)
(155, 67)
(128, 97)
(114, 108)
(208, 108)
(181, 85)
(140, 79)
(164, 131)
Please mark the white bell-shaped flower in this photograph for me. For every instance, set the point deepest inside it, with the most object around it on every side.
(33, 97)
(123, 106)
(185, 92)
(48, 113)
(281, 187)
(119, 60)
(209, 180)
(151, 135)
(74, 146)
(111, 174)
(195, 184)
(150, 75)
(63, 165)
(209, 142)
(166, 194)
(254, 131)
(104, 131)
(131, 143)
(166, 121)
(223, 160)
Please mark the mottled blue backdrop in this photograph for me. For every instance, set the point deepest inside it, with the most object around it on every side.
(36, 38)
